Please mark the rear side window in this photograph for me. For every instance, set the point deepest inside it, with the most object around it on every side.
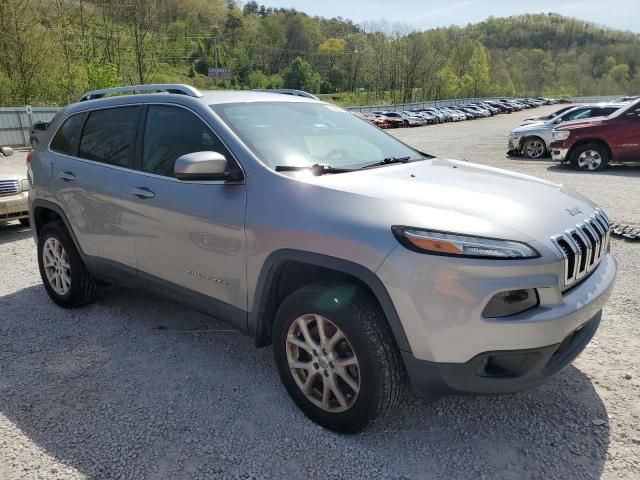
(171, 132)
(109, 136)
(66, 138)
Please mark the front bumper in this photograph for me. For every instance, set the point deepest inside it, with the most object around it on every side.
(559, 154)
(440, 301)
(514, 144)
(14, 207)
(499, 372)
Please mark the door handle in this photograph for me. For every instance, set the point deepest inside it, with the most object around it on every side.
(67, 176)
(142, 192)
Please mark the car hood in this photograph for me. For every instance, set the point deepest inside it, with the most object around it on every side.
(12, 167)
(464, 197)
(532, 125)
(581, 123)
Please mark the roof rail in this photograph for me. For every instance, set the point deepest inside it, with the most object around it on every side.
(288, 91)
(160, 87)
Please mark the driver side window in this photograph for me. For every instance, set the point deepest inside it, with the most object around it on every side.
(171, 132)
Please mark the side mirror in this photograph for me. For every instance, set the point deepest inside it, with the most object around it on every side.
(6, 151)
(201, 166)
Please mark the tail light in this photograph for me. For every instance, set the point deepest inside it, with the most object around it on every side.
(29, 155)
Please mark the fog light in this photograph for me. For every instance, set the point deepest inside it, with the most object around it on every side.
(511, 302)
(24, 185)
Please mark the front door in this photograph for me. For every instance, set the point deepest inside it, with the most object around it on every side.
(188, 236)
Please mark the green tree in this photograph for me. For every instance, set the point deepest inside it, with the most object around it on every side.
(301, 75)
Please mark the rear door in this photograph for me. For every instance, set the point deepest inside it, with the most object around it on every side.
(93, 154)
(188, 236)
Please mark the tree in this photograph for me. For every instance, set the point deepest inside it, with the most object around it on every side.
(478, 73)
(251, 9)
(333, 47)
(301, 76)
(23, 46)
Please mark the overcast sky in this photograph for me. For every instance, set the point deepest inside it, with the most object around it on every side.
(424, 14)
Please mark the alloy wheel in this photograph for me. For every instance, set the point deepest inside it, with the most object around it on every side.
(535, 149)
(589, 160)
(323, 363)
(56, 266)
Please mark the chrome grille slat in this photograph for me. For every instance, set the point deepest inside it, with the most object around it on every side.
(9, 187)
(583, 247)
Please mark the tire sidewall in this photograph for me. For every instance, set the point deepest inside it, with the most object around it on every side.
(58, 231)
(349, 319)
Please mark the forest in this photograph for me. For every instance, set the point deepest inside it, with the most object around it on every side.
(54, 50)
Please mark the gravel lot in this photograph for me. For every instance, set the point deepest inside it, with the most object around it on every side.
(136, 387)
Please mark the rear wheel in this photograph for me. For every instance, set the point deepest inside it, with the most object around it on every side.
(534, 148)
(336, 356)
(64, 275)
(591, 157)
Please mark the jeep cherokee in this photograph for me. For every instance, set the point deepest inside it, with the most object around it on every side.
(362, 260)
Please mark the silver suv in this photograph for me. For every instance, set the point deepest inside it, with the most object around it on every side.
(362, 260)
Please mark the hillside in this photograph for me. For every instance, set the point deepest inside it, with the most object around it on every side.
(55, 50)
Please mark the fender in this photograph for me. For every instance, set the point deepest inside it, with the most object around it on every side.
(39, 203)
(256, 318)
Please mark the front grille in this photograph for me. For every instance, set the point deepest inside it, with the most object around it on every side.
(9, 187)
(583, 247)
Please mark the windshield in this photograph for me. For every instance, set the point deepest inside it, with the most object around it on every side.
(625, 108)
(300, 134)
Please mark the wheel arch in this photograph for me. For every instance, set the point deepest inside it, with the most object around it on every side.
(524, 139)
(285, 271)
(43, 212)
(581, 142)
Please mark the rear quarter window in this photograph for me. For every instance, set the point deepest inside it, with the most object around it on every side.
(66, 138)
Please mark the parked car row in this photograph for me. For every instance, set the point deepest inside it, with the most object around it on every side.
(454, 113)
(533, 137)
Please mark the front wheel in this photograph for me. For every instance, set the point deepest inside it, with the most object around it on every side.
(591, 157)
(336, 356)
(534, 148)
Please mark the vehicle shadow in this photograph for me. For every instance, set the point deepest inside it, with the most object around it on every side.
(611, 170)
(134, 385)
(10, 232)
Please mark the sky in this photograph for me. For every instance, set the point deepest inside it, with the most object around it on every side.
(425, 14)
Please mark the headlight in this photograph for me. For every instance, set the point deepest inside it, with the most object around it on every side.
(453, 244)
(561, 135)
(24, 184)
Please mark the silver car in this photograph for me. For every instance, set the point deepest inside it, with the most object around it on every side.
(363, 261)
(533, 139)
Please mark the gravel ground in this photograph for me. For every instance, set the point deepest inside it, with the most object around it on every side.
(136, 387)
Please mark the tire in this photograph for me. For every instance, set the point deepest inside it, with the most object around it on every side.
(590, 157)
(25, 222)
(377, 373)
(74, 285)
(534, 148)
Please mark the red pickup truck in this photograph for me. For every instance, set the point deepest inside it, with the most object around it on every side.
(591, 145)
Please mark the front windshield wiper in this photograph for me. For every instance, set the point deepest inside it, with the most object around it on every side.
(316, 169)
(387, 161)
